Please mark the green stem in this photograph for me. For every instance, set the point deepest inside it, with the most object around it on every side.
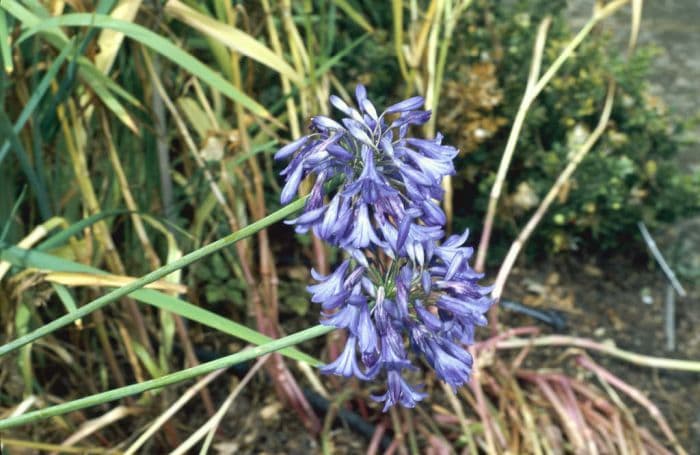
(169, 379)
(153, 276)
(42, 261)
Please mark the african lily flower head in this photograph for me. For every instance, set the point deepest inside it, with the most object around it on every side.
(434, 306)
(390, 183)
(403, 292)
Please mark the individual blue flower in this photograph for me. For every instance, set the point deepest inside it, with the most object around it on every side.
(346, 364)
(399, 392)
(330, 285)
(370, 185)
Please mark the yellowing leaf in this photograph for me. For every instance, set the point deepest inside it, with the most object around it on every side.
(138, 33)
(109, 42)
(354, 15)
(107, 280)
(232, 38)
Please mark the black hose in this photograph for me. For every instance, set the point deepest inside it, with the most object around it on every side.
(553, 318)
(321, 405)
(353, 420)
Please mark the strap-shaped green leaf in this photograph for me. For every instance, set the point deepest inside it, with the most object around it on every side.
(277, 345)
(36, 259)
(149, 39)
(52, 262)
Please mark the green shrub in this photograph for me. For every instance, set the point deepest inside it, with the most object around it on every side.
(631, 174)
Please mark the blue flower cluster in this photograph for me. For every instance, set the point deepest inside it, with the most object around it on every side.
(403, 287)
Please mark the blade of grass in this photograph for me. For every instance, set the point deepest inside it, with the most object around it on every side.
(256, 149)
(635, 24)
(172, 409)
(55, 36)
(164, 98)
(67, 84)
(113, 104)
(322, 69)
(67, 300)
(90, 73)
(42, 197)
(130, 201)
(551, 196)
(292, 116)
(605, 348)
(310, 42)
(328, 64)
(397, 15)
(13, 212)
(38, 93)
(5, 50)
(214, 422)
(151, 40)
(233, 38)
(46, 447)
(62, 237)
(59, 40)
(75, 139)
(147, 361)
(173, 378)
(93, 426)
(76, 279)
(355, 15)
(109, 42)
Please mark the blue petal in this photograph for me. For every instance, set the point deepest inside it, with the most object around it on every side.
(436, 169)
(404, 228)
(346, 363)
(290, 148)
(324, 123)
(386, 145)
(362, 233)
(292, 186)
(426, 281)
(434, 150)
(308, 218)
(399, 392)
(429, 319)
(340, 104)
(432, 213)
(344, 318)
(409, 104)
(339, 152)
(454, 370)
(365, 331)
(409, 118)
(356, 130)
(329, 285)
(360, 94)
(369, 108)
(455, 264)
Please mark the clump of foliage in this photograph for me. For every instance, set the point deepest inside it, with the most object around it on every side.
(630, 175)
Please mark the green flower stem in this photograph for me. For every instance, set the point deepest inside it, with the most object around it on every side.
(157, 274)
(43, 261)
(169, 379)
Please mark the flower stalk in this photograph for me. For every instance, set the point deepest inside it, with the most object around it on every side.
(134, 389)
(155, 275)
